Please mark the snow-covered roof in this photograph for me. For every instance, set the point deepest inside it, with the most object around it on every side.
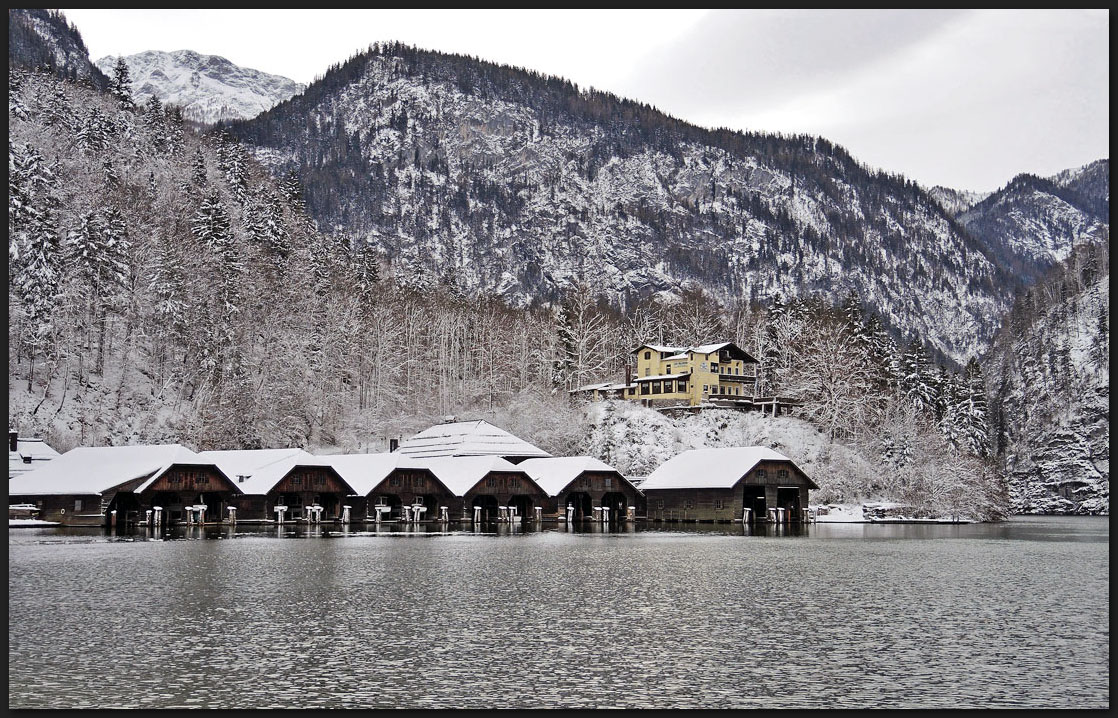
(676, 357)
(364, 471)
(262, 469)
(711, 468)
(467, 438)
(30, 454)
(593, 387)
(461, 473)
(660, 348)
(708, 348)
(662, 376)
(96, 469)
(555, 474)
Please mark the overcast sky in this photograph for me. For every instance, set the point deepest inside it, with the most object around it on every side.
(962, 98)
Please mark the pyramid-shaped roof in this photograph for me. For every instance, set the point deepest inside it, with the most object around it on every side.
(468, 438)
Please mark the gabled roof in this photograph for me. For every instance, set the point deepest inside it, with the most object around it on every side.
(735, 351)
(712, 468)
(461, 473)
(678, 353)
(467, 438)
(262, 469)
(97, 469)
(660, 348)
(555, 474)
(364, 471)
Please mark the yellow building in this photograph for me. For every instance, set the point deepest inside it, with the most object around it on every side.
(720, 374)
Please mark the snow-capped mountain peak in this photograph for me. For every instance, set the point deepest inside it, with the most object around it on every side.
(209, 88)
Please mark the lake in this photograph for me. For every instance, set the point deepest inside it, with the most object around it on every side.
(1014, 614)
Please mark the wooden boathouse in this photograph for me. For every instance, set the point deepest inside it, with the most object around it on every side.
(582, 488)
(751, 484)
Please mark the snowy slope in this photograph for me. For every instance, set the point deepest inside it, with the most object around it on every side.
(209, 88)
(1050, 376)
(512, 183)
(39, 39)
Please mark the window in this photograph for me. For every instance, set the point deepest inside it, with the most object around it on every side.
(644, 387)
(719, 504)
(648, 355)
(714, 368)
(706, 388)
(632, 391)
(668, 369)
(647, 371)
(688, 504)
(609, 482)
(77, 504)
(681, 386)
(760, 473)
(659, 503)
(655, 387)
(782, 473)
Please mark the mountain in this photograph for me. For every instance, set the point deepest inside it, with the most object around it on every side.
(504, 180)
(1032, 223)
(1049, 378)
(43, 39)
(208, 88)
(956, 201)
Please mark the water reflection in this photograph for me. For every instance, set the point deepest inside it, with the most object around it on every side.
(641, 616)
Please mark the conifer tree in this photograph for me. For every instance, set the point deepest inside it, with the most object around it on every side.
(120, 85)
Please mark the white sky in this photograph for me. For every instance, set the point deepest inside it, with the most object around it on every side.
(962, 98)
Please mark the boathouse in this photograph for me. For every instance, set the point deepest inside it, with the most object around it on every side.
(86, 485)
(582, 488)
(391, 487)
(282, 485)
(488, 488)
(750, 483)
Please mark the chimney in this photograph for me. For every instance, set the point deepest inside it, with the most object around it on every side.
(13, 441)
(628, 374)
(393, 444)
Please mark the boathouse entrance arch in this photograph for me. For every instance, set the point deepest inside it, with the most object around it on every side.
(617, 504)
(583, 504)
(488, 504)
(753, 498)
(788, 498)
(523, 504)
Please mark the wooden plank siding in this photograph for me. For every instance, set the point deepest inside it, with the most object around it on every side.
(727, 504)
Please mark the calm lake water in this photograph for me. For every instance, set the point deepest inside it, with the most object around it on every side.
(844, 615)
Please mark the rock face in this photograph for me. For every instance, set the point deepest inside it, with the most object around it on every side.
(43, 39)
(209, 88)
(1050, 382)
(505, 181)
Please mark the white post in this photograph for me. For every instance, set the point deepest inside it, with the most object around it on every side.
(605, 514)
(232, 515)
(597, 513)
(539, 513)
(512, 513)
(477, 514)
(280, 510)
(201, 513)
(570, 513)
(345, 515)
(444, 514)
(745, 512)
(630, 513)
(407, 513)
(147, 517)
(158, 515)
